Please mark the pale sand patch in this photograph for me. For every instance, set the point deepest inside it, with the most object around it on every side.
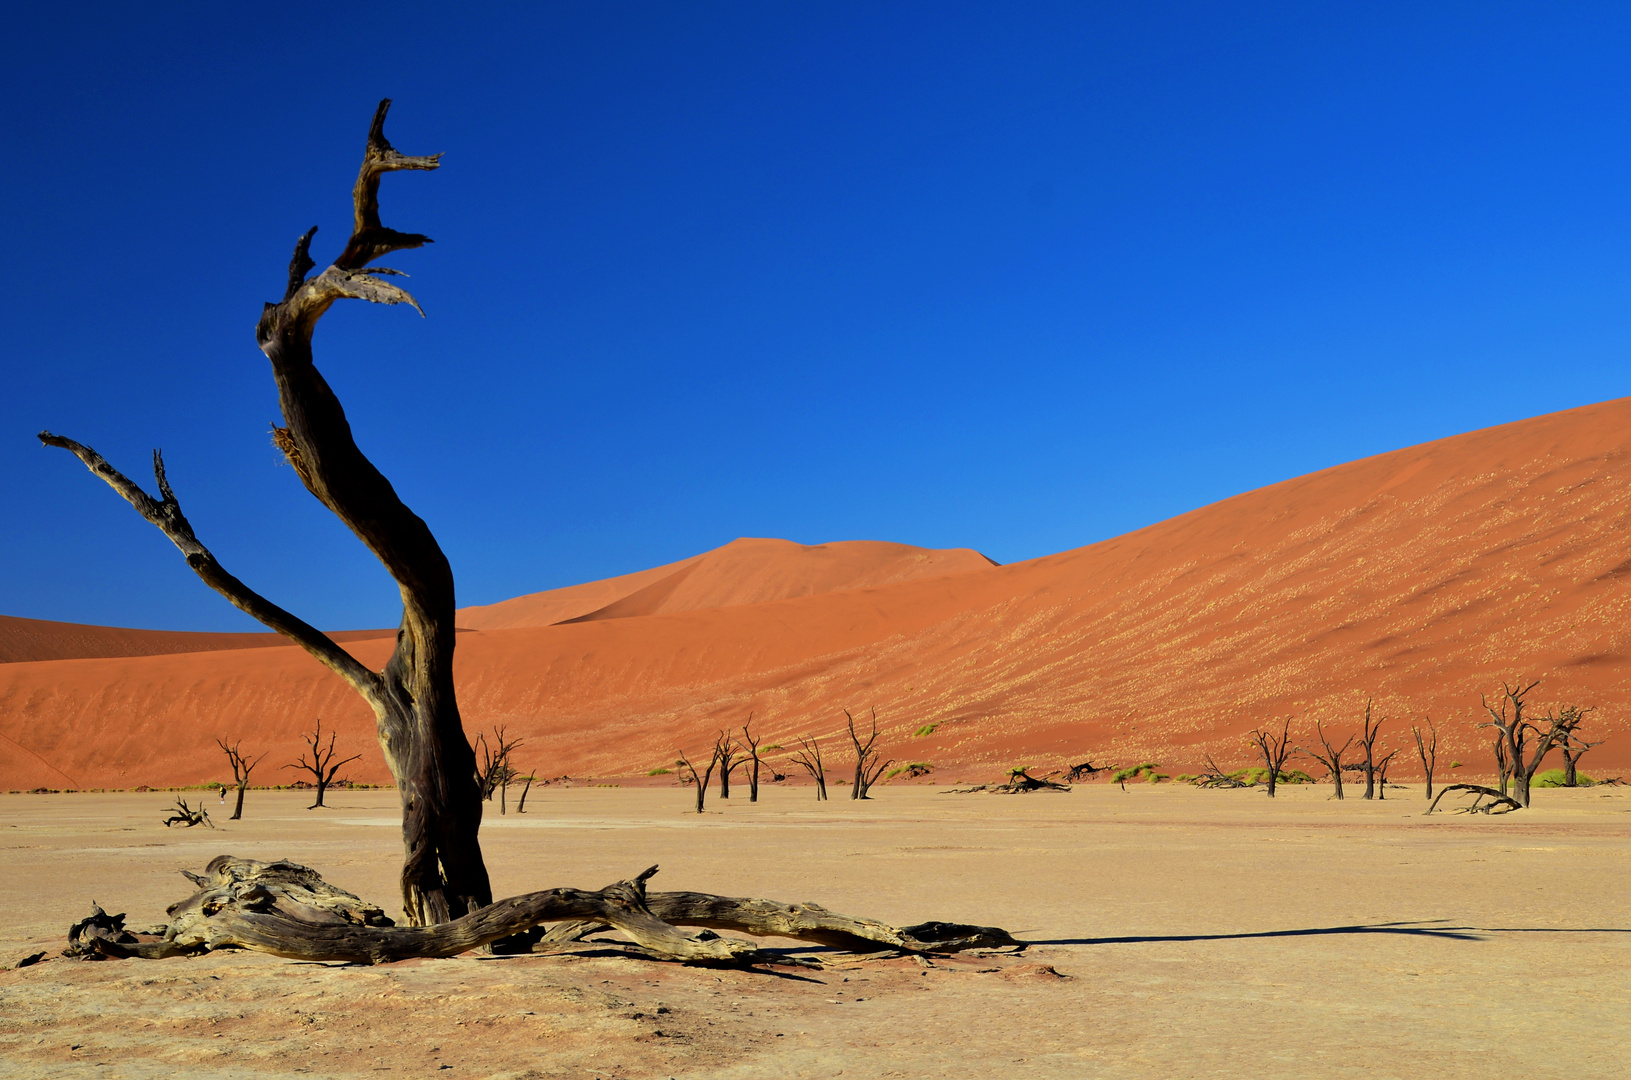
(1378, 942)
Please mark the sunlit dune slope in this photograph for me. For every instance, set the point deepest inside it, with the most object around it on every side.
(1421, 577)
(745, 571)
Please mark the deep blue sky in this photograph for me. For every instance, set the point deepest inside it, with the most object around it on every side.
(1007, 276)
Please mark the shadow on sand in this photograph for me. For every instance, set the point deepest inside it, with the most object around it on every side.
(1421, 928)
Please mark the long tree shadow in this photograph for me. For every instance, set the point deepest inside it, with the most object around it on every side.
(1415, 928)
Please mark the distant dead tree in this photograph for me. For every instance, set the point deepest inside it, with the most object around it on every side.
(1368, 741)
(322, 765)
(1572, 746)
(730, 758)
(808, 757)
(867, 766)
(1382, 764)
(521, 807)
(1085, 771)
(493, 769)
(1329, 756)
(1275, 749)
(699, 780)
(1522, 742)
(241, 767)
(1213, 777)
(1427, 747)
(182, 814)
(752, 743)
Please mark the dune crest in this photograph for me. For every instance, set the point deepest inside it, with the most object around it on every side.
(1420, 577)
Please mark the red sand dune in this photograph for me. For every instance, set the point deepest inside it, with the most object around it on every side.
(745, 571)
(38, 639)
(1421, 577)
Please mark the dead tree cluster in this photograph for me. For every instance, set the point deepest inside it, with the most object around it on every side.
(241, 768)
(324, 762)
(1521, 742)
(286, 909)
(495, 771)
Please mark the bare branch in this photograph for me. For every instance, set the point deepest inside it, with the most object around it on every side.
(165, 513)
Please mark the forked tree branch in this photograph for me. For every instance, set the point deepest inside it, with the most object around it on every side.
(165, 513)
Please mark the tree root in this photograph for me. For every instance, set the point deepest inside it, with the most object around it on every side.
(1478, 806)
(288, 910)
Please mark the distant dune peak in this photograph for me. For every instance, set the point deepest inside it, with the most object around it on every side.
(748, 570)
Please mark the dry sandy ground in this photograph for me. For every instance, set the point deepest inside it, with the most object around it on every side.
(1203, 934)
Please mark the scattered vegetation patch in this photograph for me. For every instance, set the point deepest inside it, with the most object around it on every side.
(924, 731)
(911, 770)
(1559, 778)
(1147, 771)
(659, 771)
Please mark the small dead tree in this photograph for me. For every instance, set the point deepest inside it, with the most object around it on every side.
(1522, 742)
(700, 780)
(1275, 749)
(752, 743)
(241, 767)
(493, 769)
(1382, 764)
(1085, 771)
(182, 814)
(322, 765)
(1427, 747)
(1571, 745)
(808, 758)
(730, 758)
(1331, 757)
(521, 807)
(1368, 741)
(1213, 777)
(867, 766)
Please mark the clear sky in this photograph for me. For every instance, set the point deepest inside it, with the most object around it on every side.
(1016, 277)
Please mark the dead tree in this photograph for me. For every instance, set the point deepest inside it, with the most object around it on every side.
(1214, 777)
(1570, 744)
(241, 767)
(1275, 749)
(1331, 758)
(1428, 749)
(730, 758)
(182, 814)
(521, 807)
(1497, 799)
(1085, 771)
(752, 743)
(1368, 741)
(494, 773)
(867, 766)
(443, 874)
(445, 889)
(1523, 743)
(808, 757)
(700, 780)
(1382, 764)
(322, 765)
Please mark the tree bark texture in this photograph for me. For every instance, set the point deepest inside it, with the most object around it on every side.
(288, 910)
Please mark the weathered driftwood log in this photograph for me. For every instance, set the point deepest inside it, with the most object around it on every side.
(1478, 806)
(287, 909)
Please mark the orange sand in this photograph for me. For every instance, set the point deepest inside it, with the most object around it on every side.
(1421, 577)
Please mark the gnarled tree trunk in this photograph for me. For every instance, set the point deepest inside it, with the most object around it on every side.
(416, 711)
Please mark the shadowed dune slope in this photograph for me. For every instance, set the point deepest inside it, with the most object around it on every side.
(1421, 577)
(38, 639)
(745, 571)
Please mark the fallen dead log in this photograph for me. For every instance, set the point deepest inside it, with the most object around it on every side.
(182, 814)
(1019, 782)
(1478, 806)
(288, 910)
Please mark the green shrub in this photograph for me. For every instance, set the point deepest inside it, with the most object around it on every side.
(659, 772)
(1554, 778)
(912, 769)
(924, 731)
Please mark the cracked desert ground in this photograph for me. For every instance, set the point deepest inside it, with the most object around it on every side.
(1194, 934)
